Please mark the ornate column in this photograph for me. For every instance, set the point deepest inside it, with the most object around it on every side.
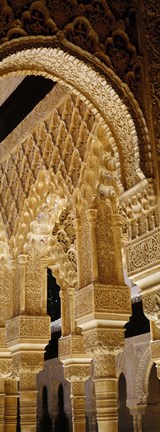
(11, 395)
(76, 371)
(28, 331)
(6, 286)
(104, 344)
(102, 302)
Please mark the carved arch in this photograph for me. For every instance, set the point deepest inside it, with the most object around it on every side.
(97, 90)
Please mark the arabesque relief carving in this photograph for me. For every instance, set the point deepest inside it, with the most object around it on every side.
(101, 299)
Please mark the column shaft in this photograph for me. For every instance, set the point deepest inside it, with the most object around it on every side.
(28, 410)
(78, 406)
(106, 404)
(11, 396)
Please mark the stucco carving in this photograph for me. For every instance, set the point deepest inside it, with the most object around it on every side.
(104, 366)
(151, 11)
(72, 72)
(100, 298)
(27, 362)
(26, 327)
(5, 367)
(76, 372)
(151, 305)
(136, 259)
(39, 113)
(140, 378)
(107, 341)
(71, 346)
(100, 27)
(139, 211)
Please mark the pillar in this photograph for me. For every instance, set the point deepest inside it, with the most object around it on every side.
(11, 396)
(76, 371)
(106, 390)
(28, 329)
(28, 399)
(6, 285)
(2, 404)
(102, 301)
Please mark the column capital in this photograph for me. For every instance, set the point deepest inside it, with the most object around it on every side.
(71, 347)
(151, 305)
(104, 341)
(77, 372)
(104, 366)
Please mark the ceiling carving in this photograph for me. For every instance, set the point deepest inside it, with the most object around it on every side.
(40, 112)
(58, 144)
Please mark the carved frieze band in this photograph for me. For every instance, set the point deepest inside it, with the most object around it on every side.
(103, 299)
(144, 252)
(26, 327)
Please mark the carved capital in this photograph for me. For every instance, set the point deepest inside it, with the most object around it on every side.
(71, 346)
(25, 363)
(104, 341)
(5, 366)
(104, 366)
(151, 306)
(77, 372)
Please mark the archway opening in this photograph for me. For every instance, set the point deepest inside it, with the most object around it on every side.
(125, 423)
(54, 311)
